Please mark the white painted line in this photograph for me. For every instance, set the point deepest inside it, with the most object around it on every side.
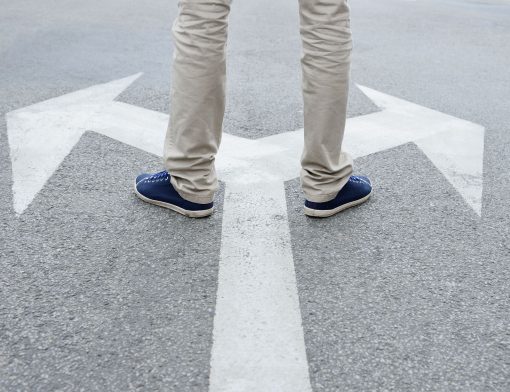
(258, 338)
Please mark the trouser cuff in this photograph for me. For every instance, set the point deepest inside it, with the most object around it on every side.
(192, 197)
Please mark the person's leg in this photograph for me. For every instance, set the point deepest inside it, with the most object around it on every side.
(325, 61)
(197, 97)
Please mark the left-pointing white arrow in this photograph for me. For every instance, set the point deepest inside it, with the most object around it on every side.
(42, 135)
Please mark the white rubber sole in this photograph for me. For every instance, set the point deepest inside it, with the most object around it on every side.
(173, 207)
(326, 213)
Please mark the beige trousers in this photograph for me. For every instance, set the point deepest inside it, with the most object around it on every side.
(198, 97)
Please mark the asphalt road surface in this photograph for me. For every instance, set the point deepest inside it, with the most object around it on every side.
(409, 292)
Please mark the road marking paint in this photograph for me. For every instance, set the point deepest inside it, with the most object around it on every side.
(42, 135)
(454, 146)
(258, 337)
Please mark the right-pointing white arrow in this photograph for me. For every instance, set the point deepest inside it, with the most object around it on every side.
(453, 145)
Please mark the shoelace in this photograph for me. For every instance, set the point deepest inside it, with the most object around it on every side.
(358, 179)
(163, 175)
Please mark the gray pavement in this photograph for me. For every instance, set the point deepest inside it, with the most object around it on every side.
(99, 294)
(409, 292)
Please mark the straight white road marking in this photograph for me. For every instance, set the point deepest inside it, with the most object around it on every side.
(258, 338)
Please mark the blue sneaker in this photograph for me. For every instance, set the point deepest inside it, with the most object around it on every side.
(157, 189)
(356, 191)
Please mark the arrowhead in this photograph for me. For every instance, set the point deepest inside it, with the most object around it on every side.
(453, 145)
(42, 135)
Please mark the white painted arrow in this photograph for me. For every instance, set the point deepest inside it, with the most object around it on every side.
(258, 338)
(41, 135)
